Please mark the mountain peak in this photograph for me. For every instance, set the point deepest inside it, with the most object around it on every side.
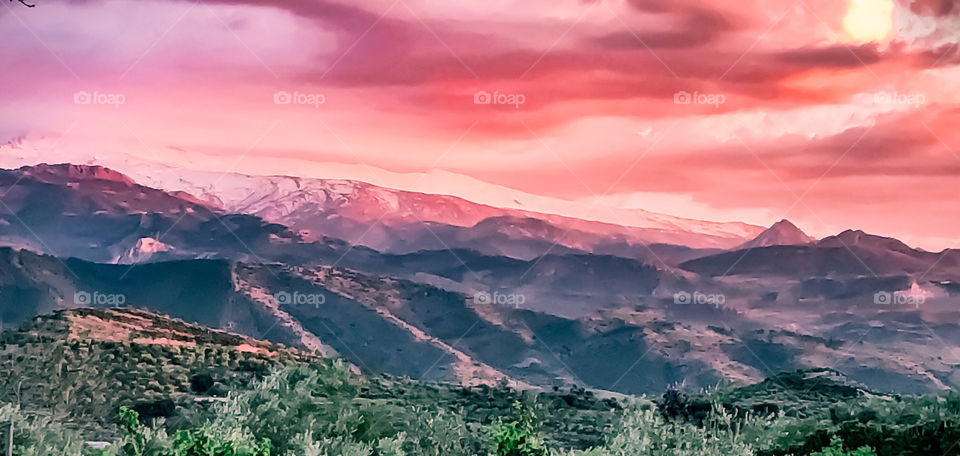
(860, 238)
(783, 232)
(853, 233)
(784, 224)
(73, 172)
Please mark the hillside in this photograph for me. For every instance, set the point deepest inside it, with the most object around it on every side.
(82, 364)
(79, 366)
(400, 327)
(67, 375)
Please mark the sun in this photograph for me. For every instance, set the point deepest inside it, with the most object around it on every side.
(868, 20)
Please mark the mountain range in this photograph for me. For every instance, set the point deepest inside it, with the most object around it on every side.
(396, 221)
(439, 288)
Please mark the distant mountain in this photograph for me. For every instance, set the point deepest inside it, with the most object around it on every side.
(781, 233)
(491, 308)
(857, 238)
(399, 221)
(100, 215)
(851, 253)
(531, 238)
(87, 211)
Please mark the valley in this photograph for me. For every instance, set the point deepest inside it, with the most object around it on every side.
(564, 318)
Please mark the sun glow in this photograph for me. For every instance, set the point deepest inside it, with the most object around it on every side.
(869, 20)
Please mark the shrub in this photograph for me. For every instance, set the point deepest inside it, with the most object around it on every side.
(647, 432)
(221, 438)
(38, 436)
(318, 411)
(836, 449)
(520, 436)
(204, 442)
(907, 427)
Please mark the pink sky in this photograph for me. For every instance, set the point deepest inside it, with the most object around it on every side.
(816, 125)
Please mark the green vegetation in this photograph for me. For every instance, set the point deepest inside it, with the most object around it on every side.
(208, 440)
(63, 386)
(520, 436)
(836, 449)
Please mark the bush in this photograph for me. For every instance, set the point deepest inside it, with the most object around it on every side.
(38, 436)
(211, 439)
(318, 411)
(519, 437)
(907, 427)
(647, 432)
(204, 442)
(836, 449)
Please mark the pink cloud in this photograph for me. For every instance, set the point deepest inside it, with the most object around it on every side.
(399, 81)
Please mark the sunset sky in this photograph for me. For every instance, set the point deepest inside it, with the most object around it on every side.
(833, 114)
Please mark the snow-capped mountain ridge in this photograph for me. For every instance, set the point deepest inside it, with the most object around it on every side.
(300, 202)
(361, 212)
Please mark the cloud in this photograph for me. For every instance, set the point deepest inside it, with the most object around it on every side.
(935, 7)
(400, 79)
(929, 24)
(835, 56)
(682, 26)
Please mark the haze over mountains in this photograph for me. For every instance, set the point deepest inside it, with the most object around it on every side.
(446, 289)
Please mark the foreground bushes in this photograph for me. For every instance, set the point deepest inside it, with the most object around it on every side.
(38, 435)
(318, 411)
(645, 431)
(910, 427)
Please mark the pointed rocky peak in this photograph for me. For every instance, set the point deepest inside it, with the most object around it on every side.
(783, 232)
